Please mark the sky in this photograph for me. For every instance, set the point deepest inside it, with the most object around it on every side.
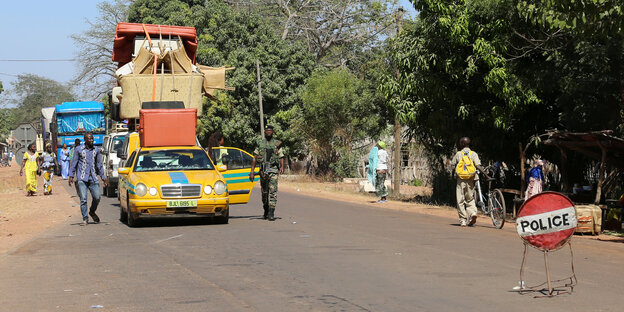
(41, 29)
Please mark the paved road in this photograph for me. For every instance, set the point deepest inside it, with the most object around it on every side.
(337, 257)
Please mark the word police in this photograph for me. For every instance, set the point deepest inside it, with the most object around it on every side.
(546, 223)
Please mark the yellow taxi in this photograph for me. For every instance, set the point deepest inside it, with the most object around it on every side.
(168, 181)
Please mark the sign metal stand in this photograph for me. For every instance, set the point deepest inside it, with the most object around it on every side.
(568, 283)
(546, 222)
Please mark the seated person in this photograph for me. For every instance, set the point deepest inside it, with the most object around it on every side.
(185, 161)
(148, 163)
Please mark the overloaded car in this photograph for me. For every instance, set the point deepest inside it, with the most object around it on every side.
(170, 181)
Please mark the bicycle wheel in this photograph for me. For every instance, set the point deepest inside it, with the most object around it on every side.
(497, 209)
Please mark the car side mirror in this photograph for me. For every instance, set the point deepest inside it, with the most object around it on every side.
(222, 168)
(124, 170)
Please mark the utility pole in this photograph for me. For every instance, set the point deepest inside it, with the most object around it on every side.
(396, 159)
(260, 98)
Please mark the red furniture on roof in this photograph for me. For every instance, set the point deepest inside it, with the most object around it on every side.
(124, 39)
(168, 127)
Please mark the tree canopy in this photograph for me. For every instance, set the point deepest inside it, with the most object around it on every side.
(337, 111)
(484, 69)
(96, 70)
(237, 39)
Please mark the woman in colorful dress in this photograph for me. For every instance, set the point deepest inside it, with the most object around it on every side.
(64, 161)
(31, 164)
(48, 164)
(535, 180)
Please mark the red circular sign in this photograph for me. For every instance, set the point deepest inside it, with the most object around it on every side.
(547, 220)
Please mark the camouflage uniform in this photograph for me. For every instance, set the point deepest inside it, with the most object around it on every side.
(269, 154)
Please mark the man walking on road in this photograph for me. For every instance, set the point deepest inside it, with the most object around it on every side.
(85, 166)
(271, 157)
(382, 169)
(466, 162)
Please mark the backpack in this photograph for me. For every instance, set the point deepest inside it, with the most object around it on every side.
(465, 167)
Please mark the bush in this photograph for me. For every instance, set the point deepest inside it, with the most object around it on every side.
(346, 166)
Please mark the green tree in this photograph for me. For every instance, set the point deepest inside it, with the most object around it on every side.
(32, 93)
(480, 68)
(7, 121)
(335, 31)
(584, 44)
(336, 112)
(236, 39)
(164, 12)
(590, 18)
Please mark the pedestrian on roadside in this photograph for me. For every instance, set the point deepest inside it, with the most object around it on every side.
(466, 163)
(30, 167)
(381, 172)
(85, 166)
(270, 155)
(65, 161)
(373, 159)
(535, 180)
(10, 157)
(71, 153)
(48, 164)
(217, 155)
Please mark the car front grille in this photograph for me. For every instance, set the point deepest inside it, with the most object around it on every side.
(181, 190)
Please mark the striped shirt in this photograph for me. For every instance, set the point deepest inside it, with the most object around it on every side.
(87, 164)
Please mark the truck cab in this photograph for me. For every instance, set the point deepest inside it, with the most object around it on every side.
(111, 149)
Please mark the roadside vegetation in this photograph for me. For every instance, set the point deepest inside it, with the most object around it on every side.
(335, 74)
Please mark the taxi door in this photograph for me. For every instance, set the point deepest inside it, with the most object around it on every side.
(236, 176)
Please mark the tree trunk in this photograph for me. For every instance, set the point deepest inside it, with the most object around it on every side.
(601, 173)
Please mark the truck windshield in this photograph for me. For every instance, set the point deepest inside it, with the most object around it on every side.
(117, 144)
(172, 160)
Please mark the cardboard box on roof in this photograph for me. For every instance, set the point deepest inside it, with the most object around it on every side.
(168, 127)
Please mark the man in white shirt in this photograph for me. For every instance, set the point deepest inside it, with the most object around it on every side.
(382, 170)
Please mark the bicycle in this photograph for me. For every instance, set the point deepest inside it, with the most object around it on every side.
(495, 207)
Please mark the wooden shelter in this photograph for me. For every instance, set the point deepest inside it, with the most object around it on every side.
(598, 145)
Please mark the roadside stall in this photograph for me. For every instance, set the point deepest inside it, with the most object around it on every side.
(598, 203)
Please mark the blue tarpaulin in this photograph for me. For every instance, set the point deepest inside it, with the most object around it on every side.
(75, 107)
(74, 117)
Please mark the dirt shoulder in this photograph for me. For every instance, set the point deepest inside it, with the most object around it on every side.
(22, 217)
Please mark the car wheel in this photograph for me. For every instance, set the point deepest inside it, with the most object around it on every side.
(123, 216)
(223, 219)
(133, 221)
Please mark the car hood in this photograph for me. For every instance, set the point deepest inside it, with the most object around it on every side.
(171, 177)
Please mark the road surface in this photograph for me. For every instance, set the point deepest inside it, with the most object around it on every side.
(322, 255)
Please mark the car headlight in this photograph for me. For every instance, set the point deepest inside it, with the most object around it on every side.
(153, 191)
(140, 189)
(207, 189)
(220, 188)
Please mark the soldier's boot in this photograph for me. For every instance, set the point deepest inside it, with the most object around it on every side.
(271, 215)
(266, 213)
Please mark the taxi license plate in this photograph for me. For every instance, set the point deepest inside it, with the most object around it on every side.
(181, 203)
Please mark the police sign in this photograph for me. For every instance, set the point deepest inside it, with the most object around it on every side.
(547, 220)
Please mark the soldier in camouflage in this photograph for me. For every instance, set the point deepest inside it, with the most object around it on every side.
(270, 156)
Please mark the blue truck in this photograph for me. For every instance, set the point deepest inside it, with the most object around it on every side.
(71, 120)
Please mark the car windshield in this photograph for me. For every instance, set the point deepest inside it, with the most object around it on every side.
(172, 160)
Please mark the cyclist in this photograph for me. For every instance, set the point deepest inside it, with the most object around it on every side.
(466, 162)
